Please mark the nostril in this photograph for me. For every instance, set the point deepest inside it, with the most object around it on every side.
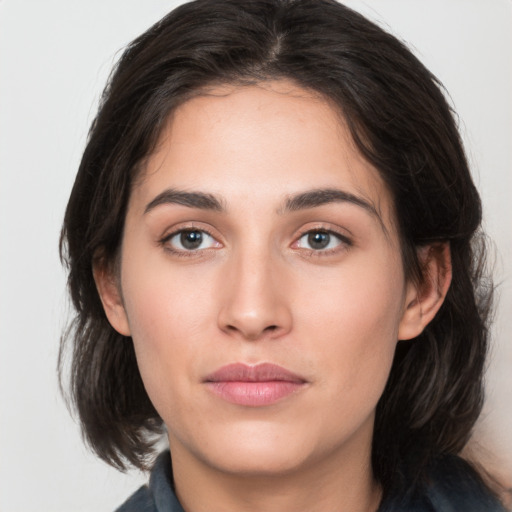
(252, 334)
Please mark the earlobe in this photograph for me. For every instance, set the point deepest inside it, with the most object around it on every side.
(111, 298)
(423, 300)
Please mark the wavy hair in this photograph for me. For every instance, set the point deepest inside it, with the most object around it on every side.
(402, 124)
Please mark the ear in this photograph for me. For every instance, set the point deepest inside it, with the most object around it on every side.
(424, 299)
(107, 284)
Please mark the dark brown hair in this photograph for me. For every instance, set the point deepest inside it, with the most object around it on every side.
(401, 123)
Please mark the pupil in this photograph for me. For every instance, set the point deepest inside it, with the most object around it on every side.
(191, 239)
(319, 240)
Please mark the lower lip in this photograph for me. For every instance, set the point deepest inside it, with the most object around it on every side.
(254, 394)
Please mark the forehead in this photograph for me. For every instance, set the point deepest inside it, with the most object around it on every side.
(261, 142)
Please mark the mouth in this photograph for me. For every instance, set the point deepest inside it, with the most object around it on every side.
(254, 386)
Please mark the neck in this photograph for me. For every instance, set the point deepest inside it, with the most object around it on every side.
(337, 483)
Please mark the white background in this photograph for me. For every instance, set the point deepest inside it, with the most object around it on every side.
(55, 56)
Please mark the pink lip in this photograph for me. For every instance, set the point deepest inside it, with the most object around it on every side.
(253, 386)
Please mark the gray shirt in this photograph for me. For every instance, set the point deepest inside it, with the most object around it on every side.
(453, 486)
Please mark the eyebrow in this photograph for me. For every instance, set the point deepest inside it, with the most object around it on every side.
(200, 200)
(302, 201)
(323, 196)
(320, 197)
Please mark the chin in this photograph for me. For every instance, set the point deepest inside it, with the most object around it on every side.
(253, 449)
(259, 459)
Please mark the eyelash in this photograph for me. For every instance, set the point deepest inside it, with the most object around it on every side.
(344, 242)
(165, 242)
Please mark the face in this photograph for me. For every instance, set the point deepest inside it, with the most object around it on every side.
(261, 282)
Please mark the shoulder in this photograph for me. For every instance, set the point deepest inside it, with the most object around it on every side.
(450, 485)
(454, 485)
(158, 495)
(140, 501)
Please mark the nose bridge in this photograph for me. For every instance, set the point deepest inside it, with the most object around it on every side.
(254, 304)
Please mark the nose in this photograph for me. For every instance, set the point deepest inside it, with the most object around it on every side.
(254, 303)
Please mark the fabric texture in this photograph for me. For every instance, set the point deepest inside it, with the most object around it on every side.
(453, 486)
(158, 495)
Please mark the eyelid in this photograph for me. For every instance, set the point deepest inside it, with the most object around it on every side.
(187, 227)
(345, 240)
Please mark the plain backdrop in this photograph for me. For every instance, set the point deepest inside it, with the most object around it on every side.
(55, 56)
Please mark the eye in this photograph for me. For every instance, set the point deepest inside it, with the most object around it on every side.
(187, 240)
(321, 240)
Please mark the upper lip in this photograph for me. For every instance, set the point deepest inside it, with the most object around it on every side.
(263, 372)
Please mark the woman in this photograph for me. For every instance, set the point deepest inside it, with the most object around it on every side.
(272, 245)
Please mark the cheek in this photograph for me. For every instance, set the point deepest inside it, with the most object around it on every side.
(164, 303)
(353, 317)
(168, 317)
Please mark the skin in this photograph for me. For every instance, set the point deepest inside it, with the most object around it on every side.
(256, 291)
